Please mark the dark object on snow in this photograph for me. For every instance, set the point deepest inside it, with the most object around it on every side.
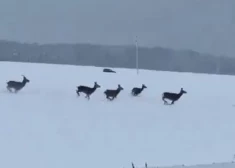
(136, 91)
(108, 70)
(87, 90)
(16, 85)
(111, 94)
(133, 166)
(172, 96)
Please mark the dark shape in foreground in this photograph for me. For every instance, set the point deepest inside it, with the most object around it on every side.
(108, 70)
(16, 85)
(136, 91)
(88, 91)
(172, 96)
(111, 94)
(132, 164)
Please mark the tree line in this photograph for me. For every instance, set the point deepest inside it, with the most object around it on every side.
(155, 58)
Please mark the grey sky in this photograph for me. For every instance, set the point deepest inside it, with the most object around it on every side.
(201, 25)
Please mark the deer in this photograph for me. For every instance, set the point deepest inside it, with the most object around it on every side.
(172, 96)
(136, 91)
(16, 85)
(88, 91)
(111, 94)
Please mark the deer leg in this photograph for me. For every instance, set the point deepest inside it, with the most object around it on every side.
(9, 89)
(165, 102)
(88, 97)
(78, 93)
(172, 102)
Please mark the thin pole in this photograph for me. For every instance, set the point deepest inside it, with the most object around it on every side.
(137, 56)
(218, 66)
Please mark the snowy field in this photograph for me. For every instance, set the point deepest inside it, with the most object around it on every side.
(47, 126)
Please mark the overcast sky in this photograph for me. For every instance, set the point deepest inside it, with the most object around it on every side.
(201, 25)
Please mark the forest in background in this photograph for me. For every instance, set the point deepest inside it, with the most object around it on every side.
(155, 58)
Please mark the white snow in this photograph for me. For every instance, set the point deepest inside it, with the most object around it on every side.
(47, 126)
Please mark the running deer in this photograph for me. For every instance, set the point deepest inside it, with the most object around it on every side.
(111, 94)
(88, 91)
(136, 91)
(172, 96)
(16, 85)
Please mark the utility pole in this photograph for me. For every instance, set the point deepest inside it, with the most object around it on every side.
(137, 56)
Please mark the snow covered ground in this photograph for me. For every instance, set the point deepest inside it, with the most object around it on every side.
(47, 126)
(213, 165)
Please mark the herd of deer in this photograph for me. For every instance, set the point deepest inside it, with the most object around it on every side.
(109, 93)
